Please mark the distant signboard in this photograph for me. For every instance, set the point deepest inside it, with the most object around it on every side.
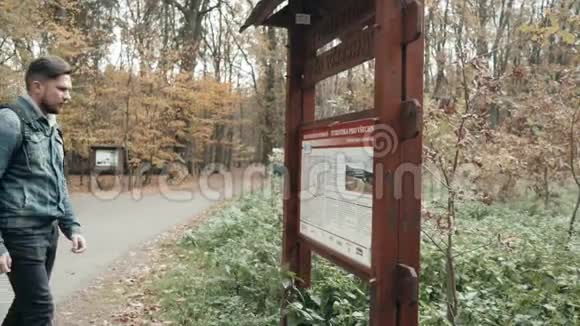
(337, 189)
(107, 158)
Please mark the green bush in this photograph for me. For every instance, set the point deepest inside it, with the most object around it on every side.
(513, 268)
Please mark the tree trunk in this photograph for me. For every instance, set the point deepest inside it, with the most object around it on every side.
(451, 294)
(193, 12)
(82, 171)
(546, 188)
(574, 214)
(270, 98)
(481, 42)
(573, 148)
(504, 20)
(350, 96)
(427, 69)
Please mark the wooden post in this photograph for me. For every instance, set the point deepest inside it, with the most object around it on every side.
(411, 156)
(300, 106)
(388, 98)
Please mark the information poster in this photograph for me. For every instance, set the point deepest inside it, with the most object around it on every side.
(105, 158)
(337, 189)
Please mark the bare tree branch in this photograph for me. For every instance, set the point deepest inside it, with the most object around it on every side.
(435, 243)
(573, 169)
(206, 11)
(573, 147)
(177, 5)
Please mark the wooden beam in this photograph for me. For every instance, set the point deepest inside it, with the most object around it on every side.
(261, 12)
(352, 52)
(335, 258)
(365, 114)
(282, 18)
(350, 18)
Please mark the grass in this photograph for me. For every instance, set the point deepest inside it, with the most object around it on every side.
(515, 266)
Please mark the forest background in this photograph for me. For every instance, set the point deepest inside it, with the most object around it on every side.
(175, 83)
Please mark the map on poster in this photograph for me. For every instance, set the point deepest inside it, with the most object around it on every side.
(106, 157)
(337, 189)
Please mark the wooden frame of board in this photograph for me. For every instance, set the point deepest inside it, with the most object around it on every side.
(391, 32)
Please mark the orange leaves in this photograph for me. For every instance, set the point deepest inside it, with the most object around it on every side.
(205, 95)
(152, 116)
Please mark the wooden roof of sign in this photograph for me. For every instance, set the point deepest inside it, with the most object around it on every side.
(265, 13)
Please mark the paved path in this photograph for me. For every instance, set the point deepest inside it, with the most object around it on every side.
(112, 228)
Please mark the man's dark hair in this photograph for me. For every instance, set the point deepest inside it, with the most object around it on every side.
(46, 68)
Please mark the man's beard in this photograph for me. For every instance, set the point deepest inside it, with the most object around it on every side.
(49, 109)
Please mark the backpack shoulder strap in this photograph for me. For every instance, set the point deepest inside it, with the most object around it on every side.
(19, 113)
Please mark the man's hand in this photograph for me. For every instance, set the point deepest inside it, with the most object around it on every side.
(79, 243)
(5, 263)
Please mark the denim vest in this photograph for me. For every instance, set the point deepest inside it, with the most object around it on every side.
(33, 186)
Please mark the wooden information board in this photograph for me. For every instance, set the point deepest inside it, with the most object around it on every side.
(349, 197)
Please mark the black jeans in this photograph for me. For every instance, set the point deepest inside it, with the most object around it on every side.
(33, 251)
